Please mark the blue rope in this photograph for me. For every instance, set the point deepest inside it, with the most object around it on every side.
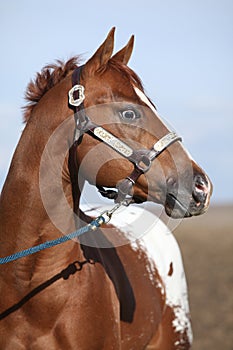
(49, 244)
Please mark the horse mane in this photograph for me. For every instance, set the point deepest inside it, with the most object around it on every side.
(52, 74)
(49, 76)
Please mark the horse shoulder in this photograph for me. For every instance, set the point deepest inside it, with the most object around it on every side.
(163, 255)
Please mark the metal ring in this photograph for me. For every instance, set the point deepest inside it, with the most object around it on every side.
(144, 164)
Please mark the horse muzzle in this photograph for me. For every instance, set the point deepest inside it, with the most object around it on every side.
(182, 203)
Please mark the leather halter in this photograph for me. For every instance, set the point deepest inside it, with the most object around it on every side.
(141, 158)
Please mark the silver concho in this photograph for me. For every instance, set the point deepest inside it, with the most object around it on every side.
(76, 102)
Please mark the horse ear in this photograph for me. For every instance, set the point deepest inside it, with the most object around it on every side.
(102, 55)
(124, 54)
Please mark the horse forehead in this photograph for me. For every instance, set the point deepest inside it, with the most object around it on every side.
(110, 86)
(144, 99)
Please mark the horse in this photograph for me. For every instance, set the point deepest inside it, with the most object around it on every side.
(122, 285)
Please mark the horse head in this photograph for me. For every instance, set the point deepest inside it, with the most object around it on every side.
(115, 99)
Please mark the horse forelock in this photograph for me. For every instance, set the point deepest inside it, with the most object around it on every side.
(128, 72)
(49, 76)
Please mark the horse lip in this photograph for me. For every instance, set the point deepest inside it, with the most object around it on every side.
(172, 202)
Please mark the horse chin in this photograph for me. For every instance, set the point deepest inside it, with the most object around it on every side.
(175, 209)
(138, 200)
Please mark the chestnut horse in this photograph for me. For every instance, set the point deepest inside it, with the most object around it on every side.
(98, 292)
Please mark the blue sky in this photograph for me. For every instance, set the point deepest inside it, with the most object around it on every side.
(183, 54)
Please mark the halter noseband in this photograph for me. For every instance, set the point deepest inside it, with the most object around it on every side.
(141, 158)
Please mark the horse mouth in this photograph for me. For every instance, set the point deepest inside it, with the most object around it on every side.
(173, 206)
(175, 209)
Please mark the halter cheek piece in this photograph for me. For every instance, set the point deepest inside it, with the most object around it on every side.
(141, 159)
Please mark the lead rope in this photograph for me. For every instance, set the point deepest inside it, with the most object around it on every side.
(103, 218)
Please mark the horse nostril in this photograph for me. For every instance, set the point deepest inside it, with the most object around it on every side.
(200, 188)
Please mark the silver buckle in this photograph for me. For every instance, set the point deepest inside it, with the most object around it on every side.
(76, 102)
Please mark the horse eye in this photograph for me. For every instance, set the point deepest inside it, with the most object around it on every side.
(129, 114)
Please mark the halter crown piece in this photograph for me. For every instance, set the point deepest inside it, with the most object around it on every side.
(141, 159)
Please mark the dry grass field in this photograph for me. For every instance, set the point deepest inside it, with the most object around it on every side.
(206, 243)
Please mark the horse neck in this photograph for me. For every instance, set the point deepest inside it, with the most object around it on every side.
(24, 219)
